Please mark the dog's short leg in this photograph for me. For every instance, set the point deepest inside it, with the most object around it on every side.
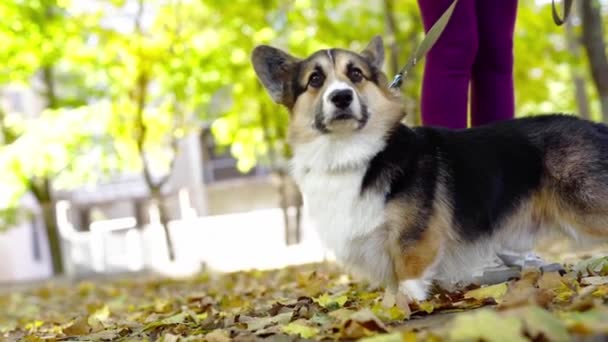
(414, 261)
(394, 296)
(390, 296)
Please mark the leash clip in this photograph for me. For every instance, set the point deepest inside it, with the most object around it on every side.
(396, 83)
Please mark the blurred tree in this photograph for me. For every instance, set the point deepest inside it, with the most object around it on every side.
(161, 83)
(578, 77)
(595, 45)
(43, 45)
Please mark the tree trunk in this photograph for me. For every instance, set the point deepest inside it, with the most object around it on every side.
(159, 201)
(290, 196)
(391, 30)
(593, 40)
(48, 77)
(580, 92)
(49, 215)
(41, 189)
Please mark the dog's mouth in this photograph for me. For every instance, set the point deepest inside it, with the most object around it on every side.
(343, 115)
(341, 120)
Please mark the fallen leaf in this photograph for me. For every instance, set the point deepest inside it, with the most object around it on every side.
(175, 319)
(394, 313)
(170, 338)
(105, 335)
(495, 292)
(331, 302)
(564, 293)
(321, 319)
(541, 323)
(79, 326)
(550, 280)
(592, 267)
(392, 337)
(257, 323)
(218, 335)
(298, 328)
(596, 280)
(361, 324)
(96, 319)
(588, 322)
(342, 314)
(485, 325)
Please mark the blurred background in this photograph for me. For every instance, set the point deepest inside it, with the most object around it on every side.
(135, 137)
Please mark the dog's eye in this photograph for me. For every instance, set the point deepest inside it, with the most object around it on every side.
(316, 80)
(355, 75)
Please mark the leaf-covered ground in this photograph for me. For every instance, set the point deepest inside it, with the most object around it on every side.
(308, 302)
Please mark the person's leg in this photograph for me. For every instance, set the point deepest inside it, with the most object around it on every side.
(447, 71)
(492, 94)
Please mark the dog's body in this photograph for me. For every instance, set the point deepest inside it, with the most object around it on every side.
(404, 206)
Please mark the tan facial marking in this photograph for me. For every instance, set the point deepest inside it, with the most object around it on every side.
(383, 105)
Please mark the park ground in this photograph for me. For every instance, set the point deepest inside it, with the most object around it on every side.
(309, 302)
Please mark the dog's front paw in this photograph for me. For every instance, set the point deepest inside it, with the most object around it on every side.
(398, 298)
(415, 288)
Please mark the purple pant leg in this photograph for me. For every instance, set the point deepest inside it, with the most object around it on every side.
(448, 64)
(492, 94)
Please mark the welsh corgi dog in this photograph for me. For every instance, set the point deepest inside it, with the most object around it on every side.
(405, 206)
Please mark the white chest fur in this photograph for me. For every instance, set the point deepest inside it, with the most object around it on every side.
(348, 222)
(339, 211)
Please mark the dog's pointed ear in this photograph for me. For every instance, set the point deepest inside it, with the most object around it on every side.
(274, 69)
(374, 52)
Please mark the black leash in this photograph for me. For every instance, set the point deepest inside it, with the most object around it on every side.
(426, 44)
(567, 5)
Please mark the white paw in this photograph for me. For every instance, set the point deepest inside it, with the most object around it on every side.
(416, 289)
(392, 298)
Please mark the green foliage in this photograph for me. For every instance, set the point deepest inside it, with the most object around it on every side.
(254, 127)
(44, 45)
(188, 63)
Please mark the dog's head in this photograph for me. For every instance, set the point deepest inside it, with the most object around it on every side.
(333, 92)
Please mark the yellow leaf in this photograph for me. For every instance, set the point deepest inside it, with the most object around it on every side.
(328, 302)
(493, 291)
(34, 325)
(202, 316)
(427, 307)
(101, 314)
(601, 291)
(162, 306)
(78, 327)
(392, 313)
(341, 314)
(295, 328)
(485, 325)
(563, 293)
(392, 337)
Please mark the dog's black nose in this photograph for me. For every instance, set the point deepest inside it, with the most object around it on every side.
(342, 98)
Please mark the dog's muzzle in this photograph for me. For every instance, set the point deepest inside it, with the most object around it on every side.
(341, 110)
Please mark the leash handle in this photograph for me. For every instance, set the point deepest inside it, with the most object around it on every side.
(567, 5)
(427, 43)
